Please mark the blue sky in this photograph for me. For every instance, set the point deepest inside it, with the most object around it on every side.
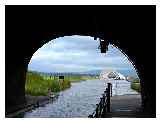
(77, 54)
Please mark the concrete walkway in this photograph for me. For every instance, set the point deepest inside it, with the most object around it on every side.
(126, 106)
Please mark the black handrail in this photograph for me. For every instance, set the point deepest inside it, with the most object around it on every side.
(104, 104)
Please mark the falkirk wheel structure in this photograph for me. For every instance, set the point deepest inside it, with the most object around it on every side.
(109, 74)
(130, 28)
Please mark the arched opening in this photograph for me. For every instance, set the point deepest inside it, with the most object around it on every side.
(86, 55)
(22, 40)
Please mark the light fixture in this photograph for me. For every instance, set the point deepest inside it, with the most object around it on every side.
(103, 45)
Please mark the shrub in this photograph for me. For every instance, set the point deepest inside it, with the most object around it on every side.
(38, 85)
(135, 85)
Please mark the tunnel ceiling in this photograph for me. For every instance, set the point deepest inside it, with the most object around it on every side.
(30, 25)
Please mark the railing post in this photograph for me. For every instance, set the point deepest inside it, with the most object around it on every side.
(103, 100)
(108, 97)
(111, 90)
(104, 103)
(97, 115)
(101, 106)
(105, 92)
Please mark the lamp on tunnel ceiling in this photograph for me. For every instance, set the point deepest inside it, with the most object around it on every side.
(103, 45)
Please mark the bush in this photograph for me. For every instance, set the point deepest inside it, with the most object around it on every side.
(56, 86)
(38, 85)
(136, 81)
(135, 85)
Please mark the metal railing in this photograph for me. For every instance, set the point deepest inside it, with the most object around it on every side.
(104, 104)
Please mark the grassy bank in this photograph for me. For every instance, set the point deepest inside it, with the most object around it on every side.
(135, 85)
(37, 84)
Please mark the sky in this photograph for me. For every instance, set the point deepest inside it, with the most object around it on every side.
(77, 54)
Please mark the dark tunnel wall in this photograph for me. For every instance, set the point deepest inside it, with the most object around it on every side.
(131, 28)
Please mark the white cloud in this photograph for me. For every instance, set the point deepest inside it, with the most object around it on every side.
(76, 53)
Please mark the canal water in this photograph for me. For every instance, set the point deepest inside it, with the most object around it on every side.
(80, 100)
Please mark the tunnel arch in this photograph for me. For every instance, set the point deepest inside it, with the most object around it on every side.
(133, 64)
(114, 42)
(26, 32)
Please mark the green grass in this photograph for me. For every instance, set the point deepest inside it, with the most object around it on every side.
(135, 85)
(37, 84)
(78, 78)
